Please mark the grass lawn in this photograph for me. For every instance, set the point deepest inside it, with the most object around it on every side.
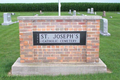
(109, 49)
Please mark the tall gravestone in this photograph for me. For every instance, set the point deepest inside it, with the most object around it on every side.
(104, 13)
(104, 27)
(92, 10)
(74, 12)
(41, 12)
(70, 11)
(88, 10)
(54, 45)
(7, 19)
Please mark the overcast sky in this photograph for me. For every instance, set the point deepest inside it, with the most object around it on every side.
(46, 1)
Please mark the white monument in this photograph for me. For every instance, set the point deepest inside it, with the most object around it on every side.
(74, 12)
(92, 10)
(7, 19)
(70, 11)
(104, 27)
(88, 10)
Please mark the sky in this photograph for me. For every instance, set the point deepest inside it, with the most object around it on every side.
(48, 1)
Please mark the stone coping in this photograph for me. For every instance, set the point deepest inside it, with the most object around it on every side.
(57, 17)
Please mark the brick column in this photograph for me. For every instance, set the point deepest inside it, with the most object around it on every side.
(93, 32)
(26, 41)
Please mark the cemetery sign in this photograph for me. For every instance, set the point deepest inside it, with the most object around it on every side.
(60, 38)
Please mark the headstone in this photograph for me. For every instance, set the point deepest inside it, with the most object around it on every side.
(104, 13)
(36, 15)
(7, 19)
(70, 11)
(82, 14)
(110, 16)
(118, 12)
(12, 13)
(95, 13)
(41, 12)
(92, 10)
(88, 11)
(104, 27)
(74, 13)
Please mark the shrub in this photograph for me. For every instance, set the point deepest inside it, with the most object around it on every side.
(16, 7)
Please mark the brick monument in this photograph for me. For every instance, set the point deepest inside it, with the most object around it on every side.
(53, 45)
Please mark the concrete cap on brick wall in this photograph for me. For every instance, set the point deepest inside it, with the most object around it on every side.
(57, 17)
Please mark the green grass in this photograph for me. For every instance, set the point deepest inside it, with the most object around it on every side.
(109, 49)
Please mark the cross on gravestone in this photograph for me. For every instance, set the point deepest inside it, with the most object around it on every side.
(88, 10)
(104, 27)
(7, 19)
(92, 10)
(74, 12)
(104, 13)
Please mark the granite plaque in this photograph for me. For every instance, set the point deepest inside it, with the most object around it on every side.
(59, 38)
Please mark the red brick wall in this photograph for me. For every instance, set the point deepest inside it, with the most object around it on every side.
(59, 53)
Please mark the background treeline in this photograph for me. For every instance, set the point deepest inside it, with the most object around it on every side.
(16, 7)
